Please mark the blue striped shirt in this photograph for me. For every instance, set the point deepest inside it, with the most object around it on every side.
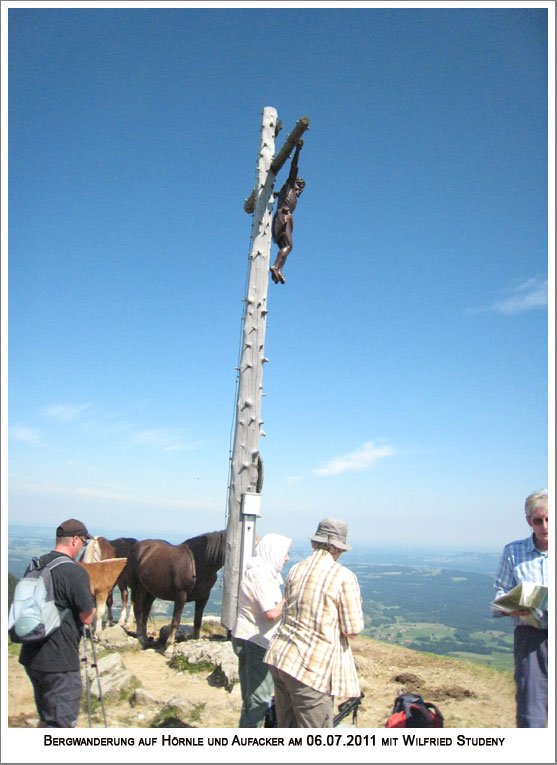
(521, 562)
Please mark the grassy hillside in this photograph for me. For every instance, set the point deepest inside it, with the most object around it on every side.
(468, 695)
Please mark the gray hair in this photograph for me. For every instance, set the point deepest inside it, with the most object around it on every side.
(535, 500)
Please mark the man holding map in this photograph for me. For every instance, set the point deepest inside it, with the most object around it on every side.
(523, 566)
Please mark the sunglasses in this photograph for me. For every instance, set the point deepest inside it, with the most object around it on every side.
(539, 521)
(84, 540)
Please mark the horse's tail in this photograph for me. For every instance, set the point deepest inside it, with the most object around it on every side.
(92, 552)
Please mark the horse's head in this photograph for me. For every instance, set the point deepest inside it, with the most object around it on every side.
(92, 552)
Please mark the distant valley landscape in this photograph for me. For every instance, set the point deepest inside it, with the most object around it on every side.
(423, 600)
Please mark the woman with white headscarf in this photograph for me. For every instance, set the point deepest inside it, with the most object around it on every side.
(259, 610)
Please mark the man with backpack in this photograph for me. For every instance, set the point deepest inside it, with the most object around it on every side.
(53, 663)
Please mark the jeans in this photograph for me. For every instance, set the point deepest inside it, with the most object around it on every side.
(530, 674)
(256, 682)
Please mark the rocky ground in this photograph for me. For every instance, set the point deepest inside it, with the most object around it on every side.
(142, 689)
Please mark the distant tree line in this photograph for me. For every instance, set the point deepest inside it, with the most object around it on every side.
(12, 581)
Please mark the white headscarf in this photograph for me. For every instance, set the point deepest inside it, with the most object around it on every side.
(271, 553)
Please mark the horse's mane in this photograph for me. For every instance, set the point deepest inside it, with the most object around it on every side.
(100, 547)
(129, 540)
(92, 552)
(209, 546)
(122, 546)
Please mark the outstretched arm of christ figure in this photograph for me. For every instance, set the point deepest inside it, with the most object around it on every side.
(294, 166)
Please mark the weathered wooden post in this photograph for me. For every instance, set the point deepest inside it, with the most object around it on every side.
(245, 461)
(246, 469)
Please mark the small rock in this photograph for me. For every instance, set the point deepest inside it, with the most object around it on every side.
(112, 684)
(117, 639)
(219, 653)
(183, 631)
(183, 704)
(110, 663)
(213, 651)
(141, 698)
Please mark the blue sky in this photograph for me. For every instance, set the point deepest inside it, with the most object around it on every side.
(407, 389)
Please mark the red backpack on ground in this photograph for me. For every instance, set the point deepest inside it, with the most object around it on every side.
(411, 711)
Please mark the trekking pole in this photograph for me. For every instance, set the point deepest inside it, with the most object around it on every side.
(93, 652)
(88, 690)
(347, 707)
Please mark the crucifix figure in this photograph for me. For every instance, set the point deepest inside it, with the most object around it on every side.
(283, 222)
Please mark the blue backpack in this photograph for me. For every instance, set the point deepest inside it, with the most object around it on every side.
(33, 614)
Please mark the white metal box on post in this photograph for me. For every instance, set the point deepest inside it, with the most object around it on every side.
(251, 510)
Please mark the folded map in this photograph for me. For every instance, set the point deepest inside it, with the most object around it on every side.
(525, 595)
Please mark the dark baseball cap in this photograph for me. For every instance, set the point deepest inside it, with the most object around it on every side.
(72, 528)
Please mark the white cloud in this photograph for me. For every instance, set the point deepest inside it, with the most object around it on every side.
(106, 424)
(65, 412)
(161, 439)
(22, 433)
(358, 460)
(526, 296)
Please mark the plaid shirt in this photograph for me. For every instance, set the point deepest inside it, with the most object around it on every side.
(323, 605)
(521, 562)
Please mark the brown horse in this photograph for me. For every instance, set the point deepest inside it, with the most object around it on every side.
(182, 573)
(100, 548)
(103, 575)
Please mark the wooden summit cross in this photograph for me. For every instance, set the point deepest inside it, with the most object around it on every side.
(246, 466)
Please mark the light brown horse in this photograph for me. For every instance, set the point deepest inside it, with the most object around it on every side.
(100, 548)
(182, 573)
(103, 576)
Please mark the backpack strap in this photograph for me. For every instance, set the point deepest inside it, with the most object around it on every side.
(438, 721)
(36, 562)
(420, 716)
(404, 701)
(53, 564)
(57, 562)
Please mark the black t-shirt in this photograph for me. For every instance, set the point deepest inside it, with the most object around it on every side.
(59, 652)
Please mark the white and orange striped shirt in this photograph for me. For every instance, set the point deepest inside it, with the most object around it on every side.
(322, 606)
